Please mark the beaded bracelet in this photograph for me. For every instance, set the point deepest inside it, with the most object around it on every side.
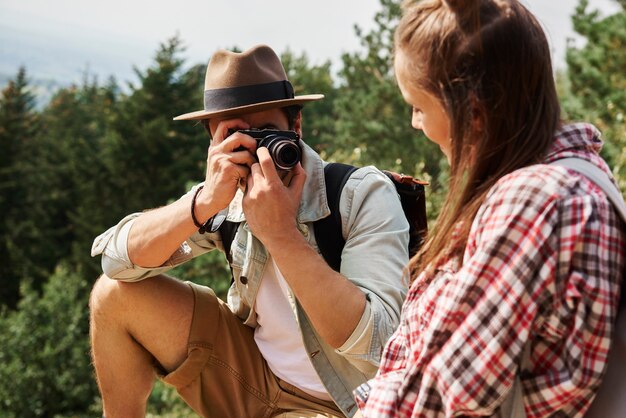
(202, 228)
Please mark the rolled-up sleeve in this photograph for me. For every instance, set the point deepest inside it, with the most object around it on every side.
(113, 246)
(374, 258)
(116, 264)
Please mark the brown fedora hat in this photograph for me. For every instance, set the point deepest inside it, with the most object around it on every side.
(245, 82)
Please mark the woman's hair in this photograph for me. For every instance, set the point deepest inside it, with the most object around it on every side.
(488, 62)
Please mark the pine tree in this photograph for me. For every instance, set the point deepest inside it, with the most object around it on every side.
(318, 118)
(373, 123)
(597, 74)
(18, 124)
(150, 158)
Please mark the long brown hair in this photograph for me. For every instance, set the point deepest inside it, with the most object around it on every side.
(488, 62)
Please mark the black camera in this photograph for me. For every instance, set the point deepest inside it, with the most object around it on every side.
(284, 146)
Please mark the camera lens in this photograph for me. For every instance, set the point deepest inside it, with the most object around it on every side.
(287, 155)
(284, 152)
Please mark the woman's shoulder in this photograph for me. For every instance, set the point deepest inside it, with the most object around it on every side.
(551, 181)
(542, 189)
(535, 184)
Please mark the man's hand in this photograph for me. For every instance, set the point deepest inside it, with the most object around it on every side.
(156, 234)
(333, 303)
(270, 206)
(228, 165)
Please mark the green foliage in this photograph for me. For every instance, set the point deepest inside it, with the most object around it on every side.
(318, 116)
(164, 402)
(208, 270)
(372, 121)
(68, 183)
(18, 124)
(44, 351)
(156, 154)
(60, 177)
(598, 80)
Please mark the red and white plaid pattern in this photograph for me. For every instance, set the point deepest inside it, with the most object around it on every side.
(542, 266)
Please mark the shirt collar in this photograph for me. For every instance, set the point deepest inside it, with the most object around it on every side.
(575, 137)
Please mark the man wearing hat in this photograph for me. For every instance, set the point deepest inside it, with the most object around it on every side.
(296, 336)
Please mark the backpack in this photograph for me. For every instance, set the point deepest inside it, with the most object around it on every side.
(328, 230)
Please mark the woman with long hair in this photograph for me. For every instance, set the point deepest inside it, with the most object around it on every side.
(515, 291)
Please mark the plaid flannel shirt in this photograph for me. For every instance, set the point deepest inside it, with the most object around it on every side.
(542, 266)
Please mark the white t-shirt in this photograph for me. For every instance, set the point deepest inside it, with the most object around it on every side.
(278, 337)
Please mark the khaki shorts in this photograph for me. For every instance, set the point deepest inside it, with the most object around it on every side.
(225, 375)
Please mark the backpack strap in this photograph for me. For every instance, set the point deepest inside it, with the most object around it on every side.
(609, 401)
(597, 176)
(600, 179)
(227, 232)
(328, 231)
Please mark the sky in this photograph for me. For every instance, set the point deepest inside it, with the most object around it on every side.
(63, 39)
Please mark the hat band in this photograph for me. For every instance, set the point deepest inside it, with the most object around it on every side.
(231, 97)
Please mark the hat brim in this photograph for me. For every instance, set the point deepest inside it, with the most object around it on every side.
(256, 107)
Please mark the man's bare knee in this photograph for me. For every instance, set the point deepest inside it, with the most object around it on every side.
(104, 295)
(112, 300)
(124, 368)
(155, 313)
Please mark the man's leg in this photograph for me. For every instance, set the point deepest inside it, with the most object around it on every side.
(132, 325)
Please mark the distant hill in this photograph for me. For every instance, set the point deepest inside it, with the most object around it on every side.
(53, 61)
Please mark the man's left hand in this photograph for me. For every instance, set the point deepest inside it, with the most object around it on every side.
(270, 206)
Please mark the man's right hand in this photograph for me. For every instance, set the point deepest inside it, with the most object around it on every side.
(228, 165)
(157, 234)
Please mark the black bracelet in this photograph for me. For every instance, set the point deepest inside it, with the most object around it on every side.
(202, 228)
